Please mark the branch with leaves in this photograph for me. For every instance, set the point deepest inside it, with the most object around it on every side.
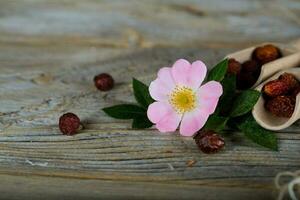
(138, 113)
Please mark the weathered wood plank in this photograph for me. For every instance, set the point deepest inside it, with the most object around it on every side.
(52, 188)
(50, 51)
(147, 24)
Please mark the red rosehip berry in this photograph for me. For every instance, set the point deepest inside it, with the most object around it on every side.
(281, 106)
(69, 124)
(265, 54)
(104, 82)
(290, 80)
(275, 88)
(245, 80)
(296, 92)
(251, 66)
(209, 141)
(234, 67)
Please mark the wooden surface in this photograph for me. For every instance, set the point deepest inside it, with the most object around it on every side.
(50, 52)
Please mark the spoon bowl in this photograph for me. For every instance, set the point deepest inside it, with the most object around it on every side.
(290, 58)
(266, 119)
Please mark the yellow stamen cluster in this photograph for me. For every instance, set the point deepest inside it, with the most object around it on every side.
(183, 99)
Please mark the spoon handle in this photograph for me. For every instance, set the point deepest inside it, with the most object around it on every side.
(295, 44)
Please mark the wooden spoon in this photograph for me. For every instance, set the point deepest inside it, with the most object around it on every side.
(290, 58)
(268, 120)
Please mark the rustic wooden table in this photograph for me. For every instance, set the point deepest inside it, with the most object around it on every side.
(50, 52)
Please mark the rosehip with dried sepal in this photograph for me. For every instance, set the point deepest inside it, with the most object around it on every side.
(290, 80)
(209, 141)
(69, 124)
(266, 54)
(296, 92)
(281, 106)
(234, 67)
(245, 80)
(250, 66)
(275, 88)
(104, 82)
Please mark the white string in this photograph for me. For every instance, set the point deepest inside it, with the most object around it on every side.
(288, 187)
(291, 187)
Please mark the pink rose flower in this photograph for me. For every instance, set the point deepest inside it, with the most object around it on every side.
(180, 98)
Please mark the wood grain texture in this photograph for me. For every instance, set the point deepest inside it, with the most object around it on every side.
(52, 49)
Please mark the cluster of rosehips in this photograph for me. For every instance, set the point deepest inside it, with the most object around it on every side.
(248, 72)
(280, 95)
(69, 123)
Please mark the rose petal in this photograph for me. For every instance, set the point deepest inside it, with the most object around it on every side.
(186, 74)
(193, 122)
(198, 73)
(208, 104)
(169, 123)
(180, 71)
(161, 87)
(165, 75)
(157, 110)
(164, 116)
(157, 92)
(211, 89)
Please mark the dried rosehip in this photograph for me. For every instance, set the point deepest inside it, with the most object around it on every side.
(296, 91)
(250, 66)
(209, 141)
(104, 82)
(266, 54)
(234, 67)
(290, 80)
(281, 106)
(275, 88)
(69, 124)
(245, 80)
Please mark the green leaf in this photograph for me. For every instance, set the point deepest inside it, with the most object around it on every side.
(141, 93)
(216, 123)
(141, 122)
(125, 111)
(219, 71)
(257, 134)
(244, 102)
(229, 88)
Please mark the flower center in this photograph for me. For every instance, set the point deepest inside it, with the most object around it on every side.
(183, 99)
